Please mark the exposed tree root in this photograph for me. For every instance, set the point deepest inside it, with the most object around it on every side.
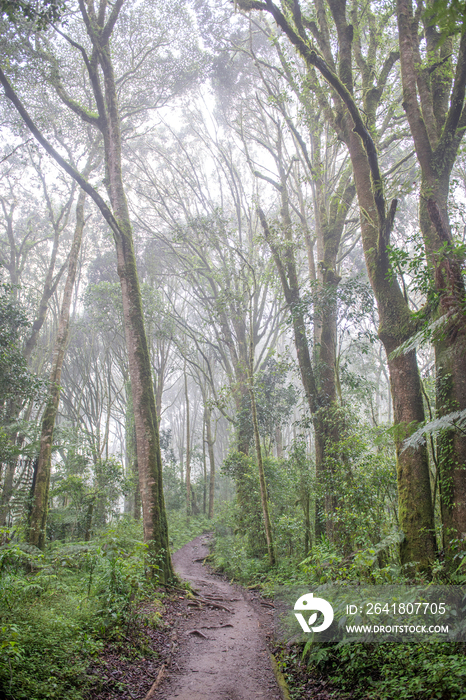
(156, 683)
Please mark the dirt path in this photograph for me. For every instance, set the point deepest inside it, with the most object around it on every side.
(222, 653)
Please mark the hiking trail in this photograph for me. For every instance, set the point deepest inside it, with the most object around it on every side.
(220, 639)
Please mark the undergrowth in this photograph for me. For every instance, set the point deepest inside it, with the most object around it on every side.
(432, 670)
(59, 608)
(182, 529)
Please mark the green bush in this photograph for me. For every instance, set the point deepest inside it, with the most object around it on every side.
(59, 608)
(182, 529)
(435, 670)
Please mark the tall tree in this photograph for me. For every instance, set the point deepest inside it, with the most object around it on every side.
(332, 194)
(207, 246)
(26, 245)
(41, 483)
(434, 102)
(99, 25)
(377, 217)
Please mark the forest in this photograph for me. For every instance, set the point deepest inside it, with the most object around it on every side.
(232, 301)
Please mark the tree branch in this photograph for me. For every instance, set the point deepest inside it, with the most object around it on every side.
(312, 58)
(106, 213)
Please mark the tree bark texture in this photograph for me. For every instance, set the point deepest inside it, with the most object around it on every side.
(188, 446)
(396, 326)
(210, 451)
(260, 464)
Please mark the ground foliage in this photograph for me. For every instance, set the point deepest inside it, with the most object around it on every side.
(358, 671)
(376, 672)
(82, 620)
(367, 552)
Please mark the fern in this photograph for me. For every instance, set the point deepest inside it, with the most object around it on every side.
(456, 420)
(395, 537)
(421, 337)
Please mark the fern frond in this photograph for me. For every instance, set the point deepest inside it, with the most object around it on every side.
(456, 420)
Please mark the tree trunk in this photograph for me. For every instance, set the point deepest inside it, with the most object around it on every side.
(188, 446)
(260, 465)
(145, 418)
(396, 326)
(7, 491)
(204, 466)
(240, 396)
(210, 449)
(279, 442)
(434, 106)
(39, 506)
(289, 280)
(450, 362)
(88, 521)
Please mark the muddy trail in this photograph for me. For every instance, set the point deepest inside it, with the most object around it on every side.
(219, 643)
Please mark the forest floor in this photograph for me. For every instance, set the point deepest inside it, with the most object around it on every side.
(213, 645)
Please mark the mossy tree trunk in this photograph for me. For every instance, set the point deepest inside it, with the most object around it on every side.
(415, 508)
(204, 466)
(434, 102)
(210, 450)
(188, 445)
(257, 443)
